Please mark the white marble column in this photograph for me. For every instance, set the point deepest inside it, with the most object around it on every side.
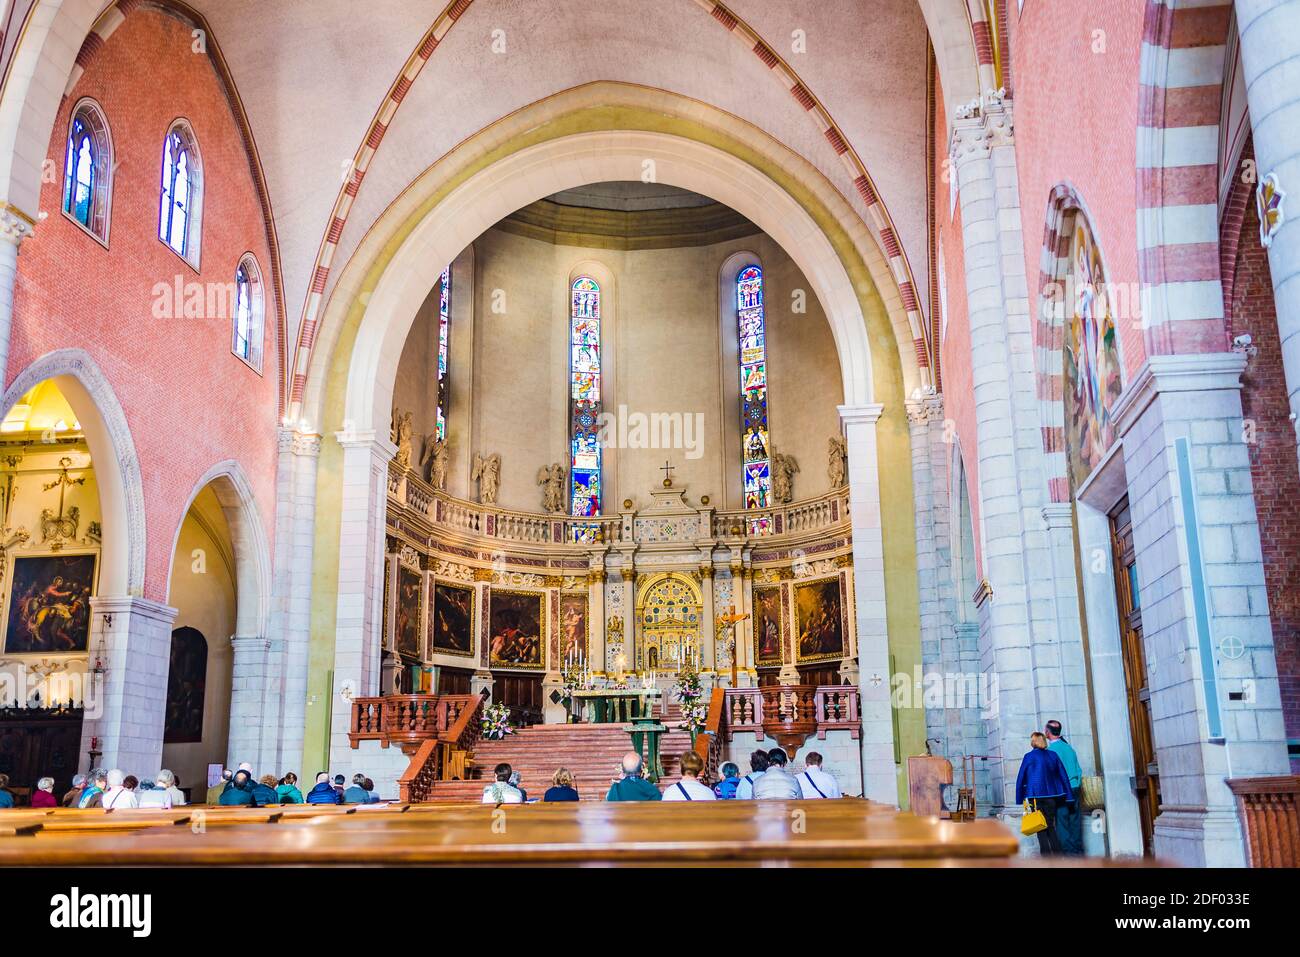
(289, 627)
(708, 625)
(1206, 629)
(879, 771)
(358, 627)
(15, 226)
(596, 619)
(1270, 49)
(252, 732)
(126, 706)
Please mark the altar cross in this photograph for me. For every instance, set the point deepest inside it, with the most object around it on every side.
(667, 470)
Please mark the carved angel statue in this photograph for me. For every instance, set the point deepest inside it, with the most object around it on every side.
(487, 472)
(551, 479)
(435, 457)
(837, 461)
(784, 468)
(402, 436)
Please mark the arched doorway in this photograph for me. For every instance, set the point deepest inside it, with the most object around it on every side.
(218, 586)
(365, 326)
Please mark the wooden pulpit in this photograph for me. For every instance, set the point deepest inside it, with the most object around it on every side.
(926, 776)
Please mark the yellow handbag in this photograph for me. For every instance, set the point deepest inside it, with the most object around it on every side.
(1032, 820)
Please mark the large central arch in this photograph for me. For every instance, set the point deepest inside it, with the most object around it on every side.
(599, 132)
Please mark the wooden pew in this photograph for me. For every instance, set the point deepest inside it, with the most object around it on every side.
(673, 833)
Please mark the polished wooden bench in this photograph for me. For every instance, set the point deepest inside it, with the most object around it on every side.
(672, 833)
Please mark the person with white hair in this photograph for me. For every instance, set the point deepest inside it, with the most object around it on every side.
(118, 795)
(164, 793)
(93, 793)
(73, 794)
(632, 786)
(43, 796)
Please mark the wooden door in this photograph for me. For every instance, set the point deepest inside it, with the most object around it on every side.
(1146, 773)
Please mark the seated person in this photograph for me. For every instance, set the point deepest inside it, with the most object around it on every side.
(264, 793)
(632, 786)
(240, 791)
(777, 783)
(43, 796)
(814, 782)
(357, 794)
(288, 789)
(501, 791)
(562, 787)
(324, 792)
(164, 793)
(725, 790)
(689, 787)
(757, 765)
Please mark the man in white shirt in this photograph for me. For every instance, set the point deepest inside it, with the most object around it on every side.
(117, 795)
(689, 787)
(501, 791)
(815, 782)
(757, 765)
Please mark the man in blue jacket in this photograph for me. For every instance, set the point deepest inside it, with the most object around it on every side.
(324, 792)
(1069, 820)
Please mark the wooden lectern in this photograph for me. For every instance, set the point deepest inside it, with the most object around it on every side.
(926, 776)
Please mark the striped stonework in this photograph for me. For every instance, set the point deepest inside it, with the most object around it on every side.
(879, 216)
(1180, 99)
(348, 192)
(1049, 335)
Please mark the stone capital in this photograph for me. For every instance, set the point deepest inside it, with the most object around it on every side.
(925, 409)
(15, 225)
(299, 442)
(1197, 372)
(860, 414)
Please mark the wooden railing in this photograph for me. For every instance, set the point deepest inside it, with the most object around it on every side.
(437, 757)
(1270, 816)
(709, 743)
(795, 711)
(407, 720)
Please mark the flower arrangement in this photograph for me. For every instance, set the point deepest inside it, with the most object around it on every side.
(496, 722)
(695, 711)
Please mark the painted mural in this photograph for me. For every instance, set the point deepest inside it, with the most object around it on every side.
(767, 626)
(516, 629)
(1092, 368)
(49, 603)
(453, 619)
(819, 623)
(573, 628)
(406, 629)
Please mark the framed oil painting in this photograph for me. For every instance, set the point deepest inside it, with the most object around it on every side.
(186, 686)
(817, 618)
(453, 619)
(767, 626)
(49, 603)
(406, 626)
(573, 628)
(515, 629)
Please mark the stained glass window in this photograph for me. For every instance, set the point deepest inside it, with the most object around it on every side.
(584, 397)
(87, 167)
(243, 312)
(444, 320)
(249, 323)
(180, 191)
(755, 449)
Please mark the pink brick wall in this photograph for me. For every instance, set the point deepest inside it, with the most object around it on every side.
(189, 402)
(1076, 119)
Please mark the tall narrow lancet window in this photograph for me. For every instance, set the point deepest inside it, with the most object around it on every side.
(246, 339)
(755, 445)
(584, 399)
(181, 193)
(444, 321)
(87, 167)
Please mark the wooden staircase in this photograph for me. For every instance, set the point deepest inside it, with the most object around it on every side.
(591, 751)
